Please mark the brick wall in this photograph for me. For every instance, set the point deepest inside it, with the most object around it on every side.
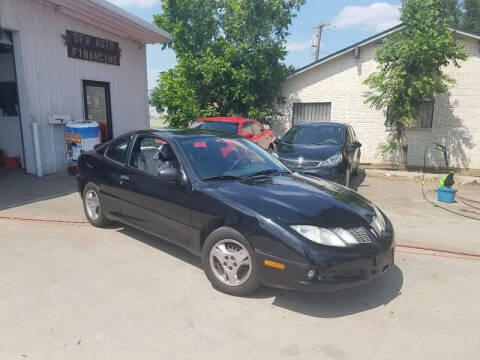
(456, 120)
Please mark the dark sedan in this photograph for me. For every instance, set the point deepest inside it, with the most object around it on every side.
(322, 149)
(250, 219)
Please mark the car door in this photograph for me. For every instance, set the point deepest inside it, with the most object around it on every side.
(108, 174)
(149, 202)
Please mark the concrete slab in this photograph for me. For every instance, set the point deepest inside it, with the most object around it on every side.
(78, 292)
(18, 188)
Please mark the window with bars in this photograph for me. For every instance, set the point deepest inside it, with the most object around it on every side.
(425, 119)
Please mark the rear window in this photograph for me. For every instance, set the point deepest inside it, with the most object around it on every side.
(226, 127)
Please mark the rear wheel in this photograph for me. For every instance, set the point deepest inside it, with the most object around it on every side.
(229, 263)
(92, 206)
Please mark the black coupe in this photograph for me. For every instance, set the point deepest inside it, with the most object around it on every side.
(250, 219)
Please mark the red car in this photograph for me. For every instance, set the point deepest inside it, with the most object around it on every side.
(249, 128)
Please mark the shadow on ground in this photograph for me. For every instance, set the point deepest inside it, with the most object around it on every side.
(18, 188)
(323, 305)
(357, 181)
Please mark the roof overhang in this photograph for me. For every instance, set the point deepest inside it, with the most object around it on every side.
(368, 41)
(107, 16)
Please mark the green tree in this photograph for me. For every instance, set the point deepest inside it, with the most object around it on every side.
(230, 57)
(410, 64)
(454, 12)
(471, 18)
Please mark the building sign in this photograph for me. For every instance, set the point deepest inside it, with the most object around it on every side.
(91, 48)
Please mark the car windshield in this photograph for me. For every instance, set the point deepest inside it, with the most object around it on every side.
(229, 158)
(227, 127)
(329, 134)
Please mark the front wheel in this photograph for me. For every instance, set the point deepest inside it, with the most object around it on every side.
(229, 263)
(92, 206)
(348, 175)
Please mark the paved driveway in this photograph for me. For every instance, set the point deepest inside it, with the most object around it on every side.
(78, 292)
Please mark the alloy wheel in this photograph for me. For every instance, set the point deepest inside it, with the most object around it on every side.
(230, 262)
(92, 205)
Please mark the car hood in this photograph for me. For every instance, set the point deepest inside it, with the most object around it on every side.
(308, 152)
(296, 199)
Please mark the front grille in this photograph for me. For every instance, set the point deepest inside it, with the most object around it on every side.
(300, 164)
(361, 235)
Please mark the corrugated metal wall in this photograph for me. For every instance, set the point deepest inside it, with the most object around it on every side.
(311, 112)
(51, 83)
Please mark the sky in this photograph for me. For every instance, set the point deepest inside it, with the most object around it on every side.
(349, 21)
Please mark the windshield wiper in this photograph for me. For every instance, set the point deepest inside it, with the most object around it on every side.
(268, 172)
(223, 177)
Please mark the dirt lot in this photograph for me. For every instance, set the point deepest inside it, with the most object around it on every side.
(71, 291)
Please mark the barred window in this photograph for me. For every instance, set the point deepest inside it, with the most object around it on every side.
(425, 119)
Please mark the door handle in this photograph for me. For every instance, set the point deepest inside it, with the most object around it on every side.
(124, 178)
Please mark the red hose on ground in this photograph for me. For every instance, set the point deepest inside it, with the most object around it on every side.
(71, 222)
(66, 222)
(438, 250)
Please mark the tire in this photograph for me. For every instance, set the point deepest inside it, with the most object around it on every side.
(355, 172)
(92, 206)
(348, 175)
(226, 252)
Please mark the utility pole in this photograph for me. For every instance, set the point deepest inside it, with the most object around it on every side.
(318, 39)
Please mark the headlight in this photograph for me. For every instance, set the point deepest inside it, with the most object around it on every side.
(331, 237)
(379, 223)
(332, 160)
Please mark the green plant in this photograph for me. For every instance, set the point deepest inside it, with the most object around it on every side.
(230, 58)
(410, 68)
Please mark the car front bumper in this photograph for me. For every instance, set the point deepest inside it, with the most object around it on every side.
(335, 174)
(345, 274)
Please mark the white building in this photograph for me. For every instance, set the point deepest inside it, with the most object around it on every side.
(332, 89)
(85, 59)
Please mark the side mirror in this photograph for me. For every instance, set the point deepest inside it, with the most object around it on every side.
(173, 175)
(169, 174)
(356, 144)
(277, 141)
(248, 135)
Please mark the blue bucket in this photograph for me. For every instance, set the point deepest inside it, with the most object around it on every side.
(446, 195)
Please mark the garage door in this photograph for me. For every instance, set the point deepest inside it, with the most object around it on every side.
(311, 112)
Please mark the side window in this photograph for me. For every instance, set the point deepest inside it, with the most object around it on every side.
(152, 154)
(118, 149)
(257, 129)
(247, 127)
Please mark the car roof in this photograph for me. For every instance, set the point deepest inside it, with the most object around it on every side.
(232, 119)
(319, 123)
(184, 133)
